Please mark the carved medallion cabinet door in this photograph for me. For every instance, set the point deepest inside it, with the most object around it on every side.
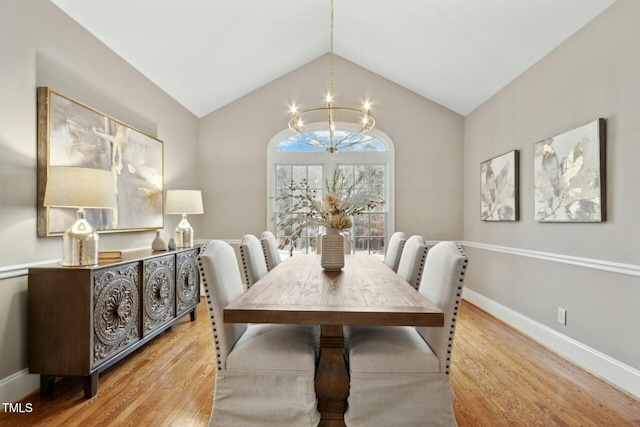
(159, 289)
(116, 301)
(188, 281)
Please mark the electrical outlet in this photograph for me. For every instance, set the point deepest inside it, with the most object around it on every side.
(562, 316)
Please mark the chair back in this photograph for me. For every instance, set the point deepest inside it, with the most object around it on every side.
(394, 250)
(222, 284)
(253, 263)
(270, 250)
(412, 260)
(442, 284)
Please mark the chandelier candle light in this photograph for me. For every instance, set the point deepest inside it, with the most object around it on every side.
(184, 202)
(311, 125)
(74, 187)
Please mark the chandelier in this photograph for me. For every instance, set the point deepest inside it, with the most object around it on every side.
(317, 127)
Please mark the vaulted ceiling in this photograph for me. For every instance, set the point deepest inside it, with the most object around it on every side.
(208, 53)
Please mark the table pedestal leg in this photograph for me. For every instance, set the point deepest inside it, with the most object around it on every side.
(332, 377)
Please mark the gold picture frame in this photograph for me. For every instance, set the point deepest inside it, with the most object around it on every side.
(71, 133)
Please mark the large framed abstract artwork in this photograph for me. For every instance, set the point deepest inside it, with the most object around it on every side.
(73, 134)
(570, 175)
(499, 188)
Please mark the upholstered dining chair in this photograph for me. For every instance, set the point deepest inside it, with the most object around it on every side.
(270, 250)
(265, 372)
(253, 263)
(411, 364)
(394, 250)
(412, 260)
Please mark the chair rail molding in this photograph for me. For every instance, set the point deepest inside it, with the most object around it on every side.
(17, 270)
(597, 264)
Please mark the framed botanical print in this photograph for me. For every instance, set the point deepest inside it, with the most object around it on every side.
(499, 199)
(570, 175)
(73, 134)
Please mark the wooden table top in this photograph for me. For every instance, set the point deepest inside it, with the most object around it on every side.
(365, 292)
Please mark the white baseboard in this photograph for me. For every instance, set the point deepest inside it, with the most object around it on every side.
(17, 386)
(609, 369)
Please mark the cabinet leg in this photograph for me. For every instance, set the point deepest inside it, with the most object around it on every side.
(192, 315)
(90, 385)
(46, 384)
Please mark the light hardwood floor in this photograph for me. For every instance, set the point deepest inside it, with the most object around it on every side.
(500, 377)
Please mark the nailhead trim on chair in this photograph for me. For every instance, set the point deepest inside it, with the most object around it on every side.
(452, 330)
(423, 260)
(245, 267)
(266, 259)
(213, 320)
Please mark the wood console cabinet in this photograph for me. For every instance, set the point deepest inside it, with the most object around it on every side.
(82, 320)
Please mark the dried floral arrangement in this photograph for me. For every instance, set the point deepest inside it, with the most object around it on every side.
(344, 198)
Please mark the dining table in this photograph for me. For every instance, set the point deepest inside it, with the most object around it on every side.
(365, 292)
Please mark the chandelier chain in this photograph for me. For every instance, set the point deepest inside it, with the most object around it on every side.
(331, 55)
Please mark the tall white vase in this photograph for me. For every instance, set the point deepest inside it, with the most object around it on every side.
(332, 257)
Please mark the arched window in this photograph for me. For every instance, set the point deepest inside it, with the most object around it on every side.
(290, 158)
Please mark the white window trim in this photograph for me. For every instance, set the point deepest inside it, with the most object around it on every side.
(333, 159)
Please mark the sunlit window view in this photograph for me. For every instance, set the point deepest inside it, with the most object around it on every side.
(367, 234)
(300, 143)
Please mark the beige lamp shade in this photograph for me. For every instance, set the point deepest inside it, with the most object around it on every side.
(184, 202)
(72, 187)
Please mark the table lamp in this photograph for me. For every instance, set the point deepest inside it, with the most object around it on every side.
(75, 187)
(184, 202)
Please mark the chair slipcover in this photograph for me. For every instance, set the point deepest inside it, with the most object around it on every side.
(394, 250)
(412, 260)
(400, 374)
(265, 373)
(253, 263)
(270, 250)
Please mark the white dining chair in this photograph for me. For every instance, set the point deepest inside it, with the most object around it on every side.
(253, 263)
(265, 372)
(270, 250)
(412, 260)
(394, 250)
(400, 374)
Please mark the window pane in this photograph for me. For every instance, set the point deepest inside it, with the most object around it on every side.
(283, 176)
(303, 144)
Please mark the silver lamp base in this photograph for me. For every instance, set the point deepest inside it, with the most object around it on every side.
(183, 235)
(80, 243)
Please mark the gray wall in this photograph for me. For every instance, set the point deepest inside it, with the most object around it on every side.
(595, 73)
(41, 46)
(427, 139)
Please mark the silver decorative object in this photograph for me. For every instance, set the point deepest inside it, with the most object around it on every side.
(184, 202)
(80, 243)
(72, 187)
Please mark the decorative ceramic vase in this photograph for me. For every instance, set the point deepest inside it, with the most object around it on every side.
(158, 243)
(172, 244)
(332, 257)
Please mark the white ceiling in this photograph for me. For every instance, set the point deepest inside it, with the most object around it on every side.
(207, 53)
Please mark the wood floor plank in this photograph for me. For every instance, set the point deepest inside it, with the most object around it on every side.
(500, 377)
